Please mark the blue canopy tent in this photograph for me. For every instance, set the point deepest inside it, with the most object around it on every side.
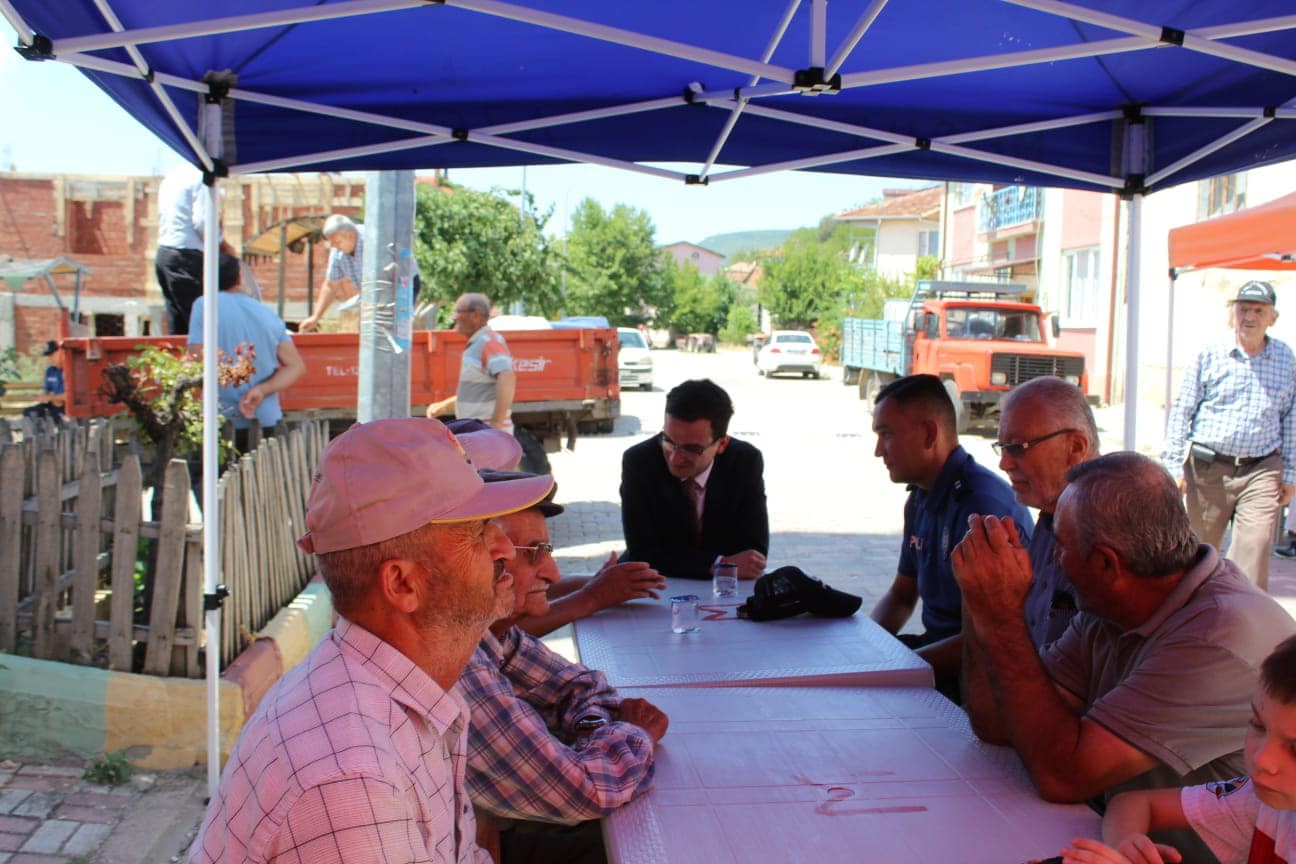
(1125, 96)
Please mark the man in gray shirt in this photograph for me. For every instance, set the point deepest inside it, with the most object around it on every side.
(1151, 684)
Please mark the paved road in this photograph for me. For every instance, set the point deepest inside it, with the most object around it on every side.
(833, 510)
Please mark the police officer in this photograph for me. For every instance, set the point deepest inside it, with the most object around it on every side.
(917, 439)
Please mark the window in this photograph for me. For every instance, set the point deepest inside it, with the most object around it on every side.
(964, 194)
(1080, 287)
(107, 324)
(929, 243)
(1220, 195)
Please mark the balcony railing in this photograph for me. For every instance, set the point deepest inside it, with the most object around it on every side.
(1012, 205)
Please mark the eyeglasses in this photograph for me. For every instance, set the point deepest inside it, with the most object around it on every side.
(536, 552)
(694, 450)
(1019, 450)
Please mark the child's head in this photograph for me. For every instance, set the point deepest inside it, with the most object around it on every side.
(1271, 734)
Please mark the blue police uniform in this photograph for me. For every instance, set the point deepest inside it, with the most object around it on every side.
(935, 521)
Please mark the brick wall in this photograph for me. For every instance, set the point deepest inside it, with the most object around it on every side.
(109, 224)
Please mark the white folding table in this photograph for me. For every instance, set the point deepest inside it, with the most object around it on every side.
(833, 774)
(633, 644)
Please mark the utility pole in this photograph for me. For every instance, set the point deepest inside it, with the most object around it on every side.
(387, 296)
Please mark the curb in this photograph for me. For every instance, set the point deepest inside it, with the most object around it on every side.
(54, 710)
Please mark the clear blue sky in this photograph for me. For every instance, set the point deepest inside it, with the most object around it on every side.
(55, 120)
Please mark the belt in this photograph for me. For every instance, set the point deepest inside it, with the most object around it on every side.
(1206, 454)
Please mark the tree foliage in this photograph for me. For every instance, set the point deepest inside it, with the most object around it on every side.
(614, 266)
(466, 240)
(805, 282)
(699, 304)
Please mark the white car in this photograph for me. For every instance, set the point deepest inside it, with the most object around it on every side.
(634, 365)
(790, 351)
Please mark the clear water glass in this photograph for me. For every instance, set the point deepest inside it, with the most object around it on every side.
(684, 613)
(724, 580)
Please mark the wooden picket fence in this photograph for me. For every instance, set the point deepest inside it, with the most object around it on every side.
(70, 526)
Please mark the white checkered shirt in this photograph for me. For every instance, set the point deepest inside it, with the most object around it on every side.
(1237, 405)
(355, 756)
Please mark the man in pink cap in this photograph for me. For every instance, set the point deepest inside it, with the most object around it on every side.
(358, 753)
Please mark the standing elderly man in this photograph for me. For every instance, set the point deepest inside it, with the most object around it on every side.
(691, 495)
(343, 277)
(1231, 436)
(359, 752)
(1045, 427)
(917, 439)
(183, 211)
(487, 382)
(1151, 684)
(588, 750)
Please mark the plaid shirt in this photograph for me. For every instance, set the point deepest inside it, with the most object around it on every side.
(355, 756)
(525, 702)
(1237, 405)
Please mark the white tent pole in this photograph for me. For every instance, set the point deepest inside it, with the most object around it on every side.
(1133, 260)
(233, 24)
(852, 39)
(1169, 351)
(210, 457)
(818, 33)
(741, 103)
(1202, 152)
(158, 92)
(1191, 41)
(1247, 28)
(815, 161)
(583, 116)
(1027, 128)
(17, 22)
(1221, 113)
(1028, 164)
(621, 36)
(997, 61)
(344, 153)
(211, 127)
(573, 156)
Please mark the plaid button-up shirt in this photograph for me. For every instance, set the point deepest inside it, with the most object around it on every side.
(355, 756)
(523, 760)
(1237, 405)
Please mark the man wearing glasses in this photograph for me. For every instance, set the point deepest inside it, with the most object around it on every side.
(1045, 427)
(691, 495)
(917, 439)
(550, 741)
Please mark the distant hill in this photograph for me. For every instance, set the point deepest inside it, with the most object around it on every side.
(728, 244)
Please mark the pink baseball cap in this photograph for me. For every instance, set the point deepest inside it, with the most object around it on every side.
(385, 478)
(491, 448)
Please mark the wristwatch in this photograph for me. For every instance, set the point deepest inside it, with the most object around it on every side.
(586, 725)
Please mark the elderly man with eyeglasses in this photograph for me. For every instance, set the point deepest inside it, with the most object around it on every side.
(691, 495)
(551, 741)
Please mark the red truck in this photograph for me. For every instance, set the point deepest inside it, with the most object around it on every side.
(567, 379)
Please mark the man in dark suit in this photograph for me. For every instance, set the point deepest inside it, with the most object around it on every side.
(691, 495)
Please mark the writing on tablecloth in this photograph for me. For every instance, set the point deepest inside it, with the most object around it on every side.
(720, 611)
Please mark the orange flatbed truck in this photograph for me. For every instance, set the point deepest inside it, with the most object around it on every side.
(982, 339)
(566, 379)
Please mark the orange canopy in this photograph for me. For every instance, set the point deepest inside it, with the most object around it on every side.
(1257, 238)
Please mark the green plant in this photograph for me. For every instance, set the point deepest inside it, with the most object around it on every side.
(110, 769)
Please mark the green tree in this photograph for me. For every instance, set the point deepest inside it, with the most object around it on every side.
(806, 281)
(699, 304)
(466, 240)
(741, 320)
(614, 266)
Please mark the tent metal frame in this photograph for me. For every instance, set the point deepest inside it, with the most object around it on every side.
(766, 79)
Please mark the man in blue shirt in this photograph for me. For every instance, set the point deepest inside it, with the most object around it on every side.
(917, 439)
(1231, 437)
(249, 326)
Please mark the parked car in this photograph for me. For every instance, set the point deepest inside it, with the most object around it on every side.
(790, 351)
(634, 364)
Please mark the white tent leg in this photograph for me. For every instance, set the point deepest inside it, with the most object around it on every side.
(1132, 302)
(1170, 328)
(211, 515)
